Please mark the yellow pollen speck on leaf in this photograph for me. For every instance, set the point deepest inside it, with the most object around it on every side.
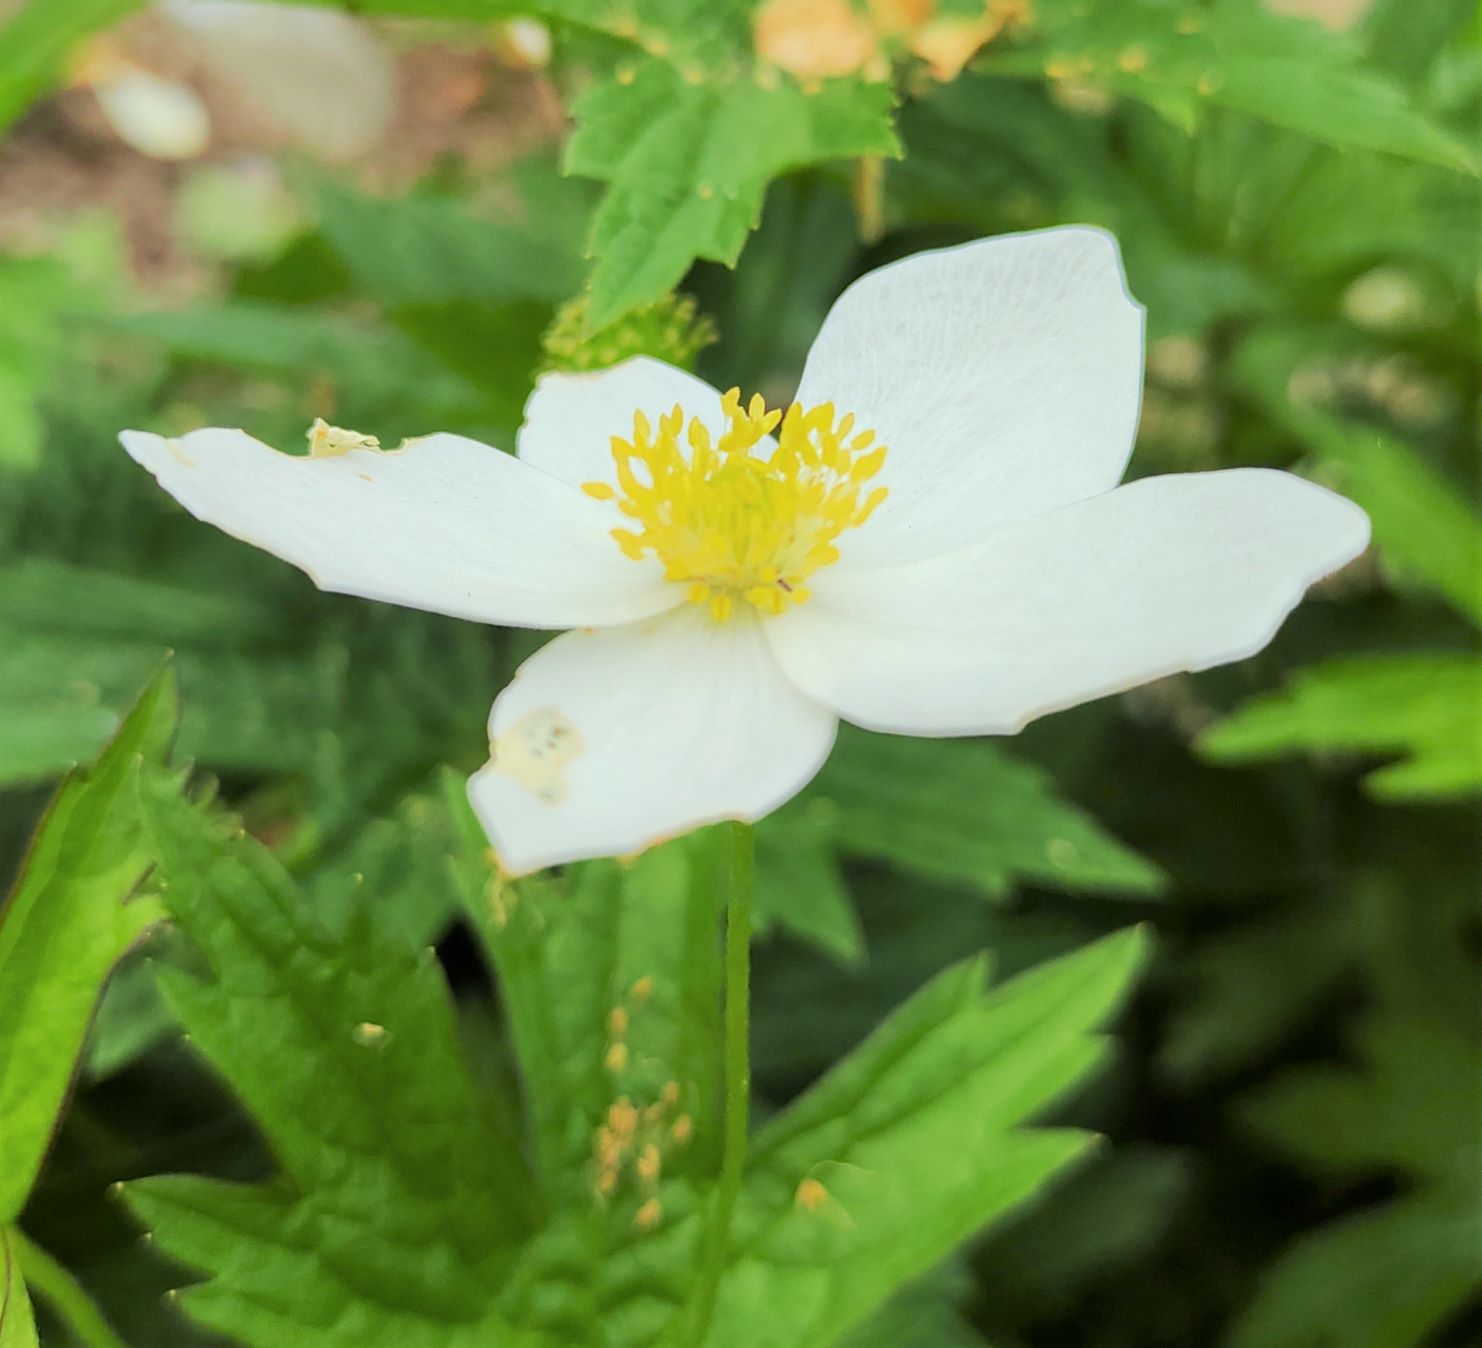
(733, 522)
(810, 1195)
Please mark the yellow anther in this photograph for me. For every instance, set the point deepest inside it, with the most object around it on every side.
(608, 1149)
(811, 1195)
(683, 1129)
(649, 1164)
(617, 1022)
(641, 990)
(647, 1217)
(617, 1057)
(669, 1096)
(606, 1185)
(732, 518)
(622, 1118)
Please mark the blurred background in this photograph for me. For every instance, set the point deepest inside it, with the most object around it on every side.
(246, 214)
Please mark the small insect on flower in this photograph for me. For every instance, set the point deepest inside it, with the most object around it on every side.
(931, 540)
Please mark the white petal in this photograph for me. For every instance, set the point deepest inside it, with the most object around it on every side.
(570, 419)
(1166, 574)
(609, 741)
(1004, 377)
(444, 524)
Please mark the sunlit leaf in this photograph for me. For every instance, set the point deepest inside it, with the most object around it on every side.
(1425, 709)
(398, 1198)
(62, 930)
(17, 1325)
(912, 1143)
(688, 160)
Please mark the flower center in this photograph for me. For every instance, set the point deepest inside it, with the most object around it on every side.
(732, 524)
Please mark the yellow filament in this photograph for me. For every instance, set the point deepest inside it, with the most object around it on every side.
(734, 526)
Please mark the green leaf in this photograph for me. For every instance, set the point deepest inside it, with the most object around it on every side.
(913, 1143)
(966, 811)
(1416, 1091)
(1384, 1278)
(926, 1313)
(35, 42)
(1236, 54)
(426, 250)
(398, 1198)
(64, 927)
(377, 372)
(17, 1325)
(37, 296)
(60, 1290)
(75, 642)
(1427, 708)
(800, 887)
(1298, 74)
(688, 156)
(1426, 531)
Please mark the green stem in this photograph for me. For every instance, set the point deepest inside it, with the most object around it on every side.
(50, 1281)
(716, 1242)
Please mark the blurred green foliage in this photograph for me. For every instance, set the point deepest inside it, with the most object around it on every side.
(1293, 1116)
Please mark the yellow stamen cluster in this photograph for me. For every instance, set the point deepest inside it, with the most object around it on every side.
(732, 524)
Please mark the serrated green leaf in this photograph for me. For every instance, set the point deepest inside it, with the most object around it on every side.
(915, 1140)
(398, 1199)
(687, 160)
(1239, 55)
(1299, 74)
(62, 930)
(1425, 708)
(966, 811)
(17, 1324)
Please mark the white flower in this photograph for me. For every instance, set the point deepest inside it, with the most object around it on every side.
(736, 593)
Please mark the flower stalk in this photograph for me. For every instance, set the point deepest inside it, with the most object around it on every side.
(737, 1088)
